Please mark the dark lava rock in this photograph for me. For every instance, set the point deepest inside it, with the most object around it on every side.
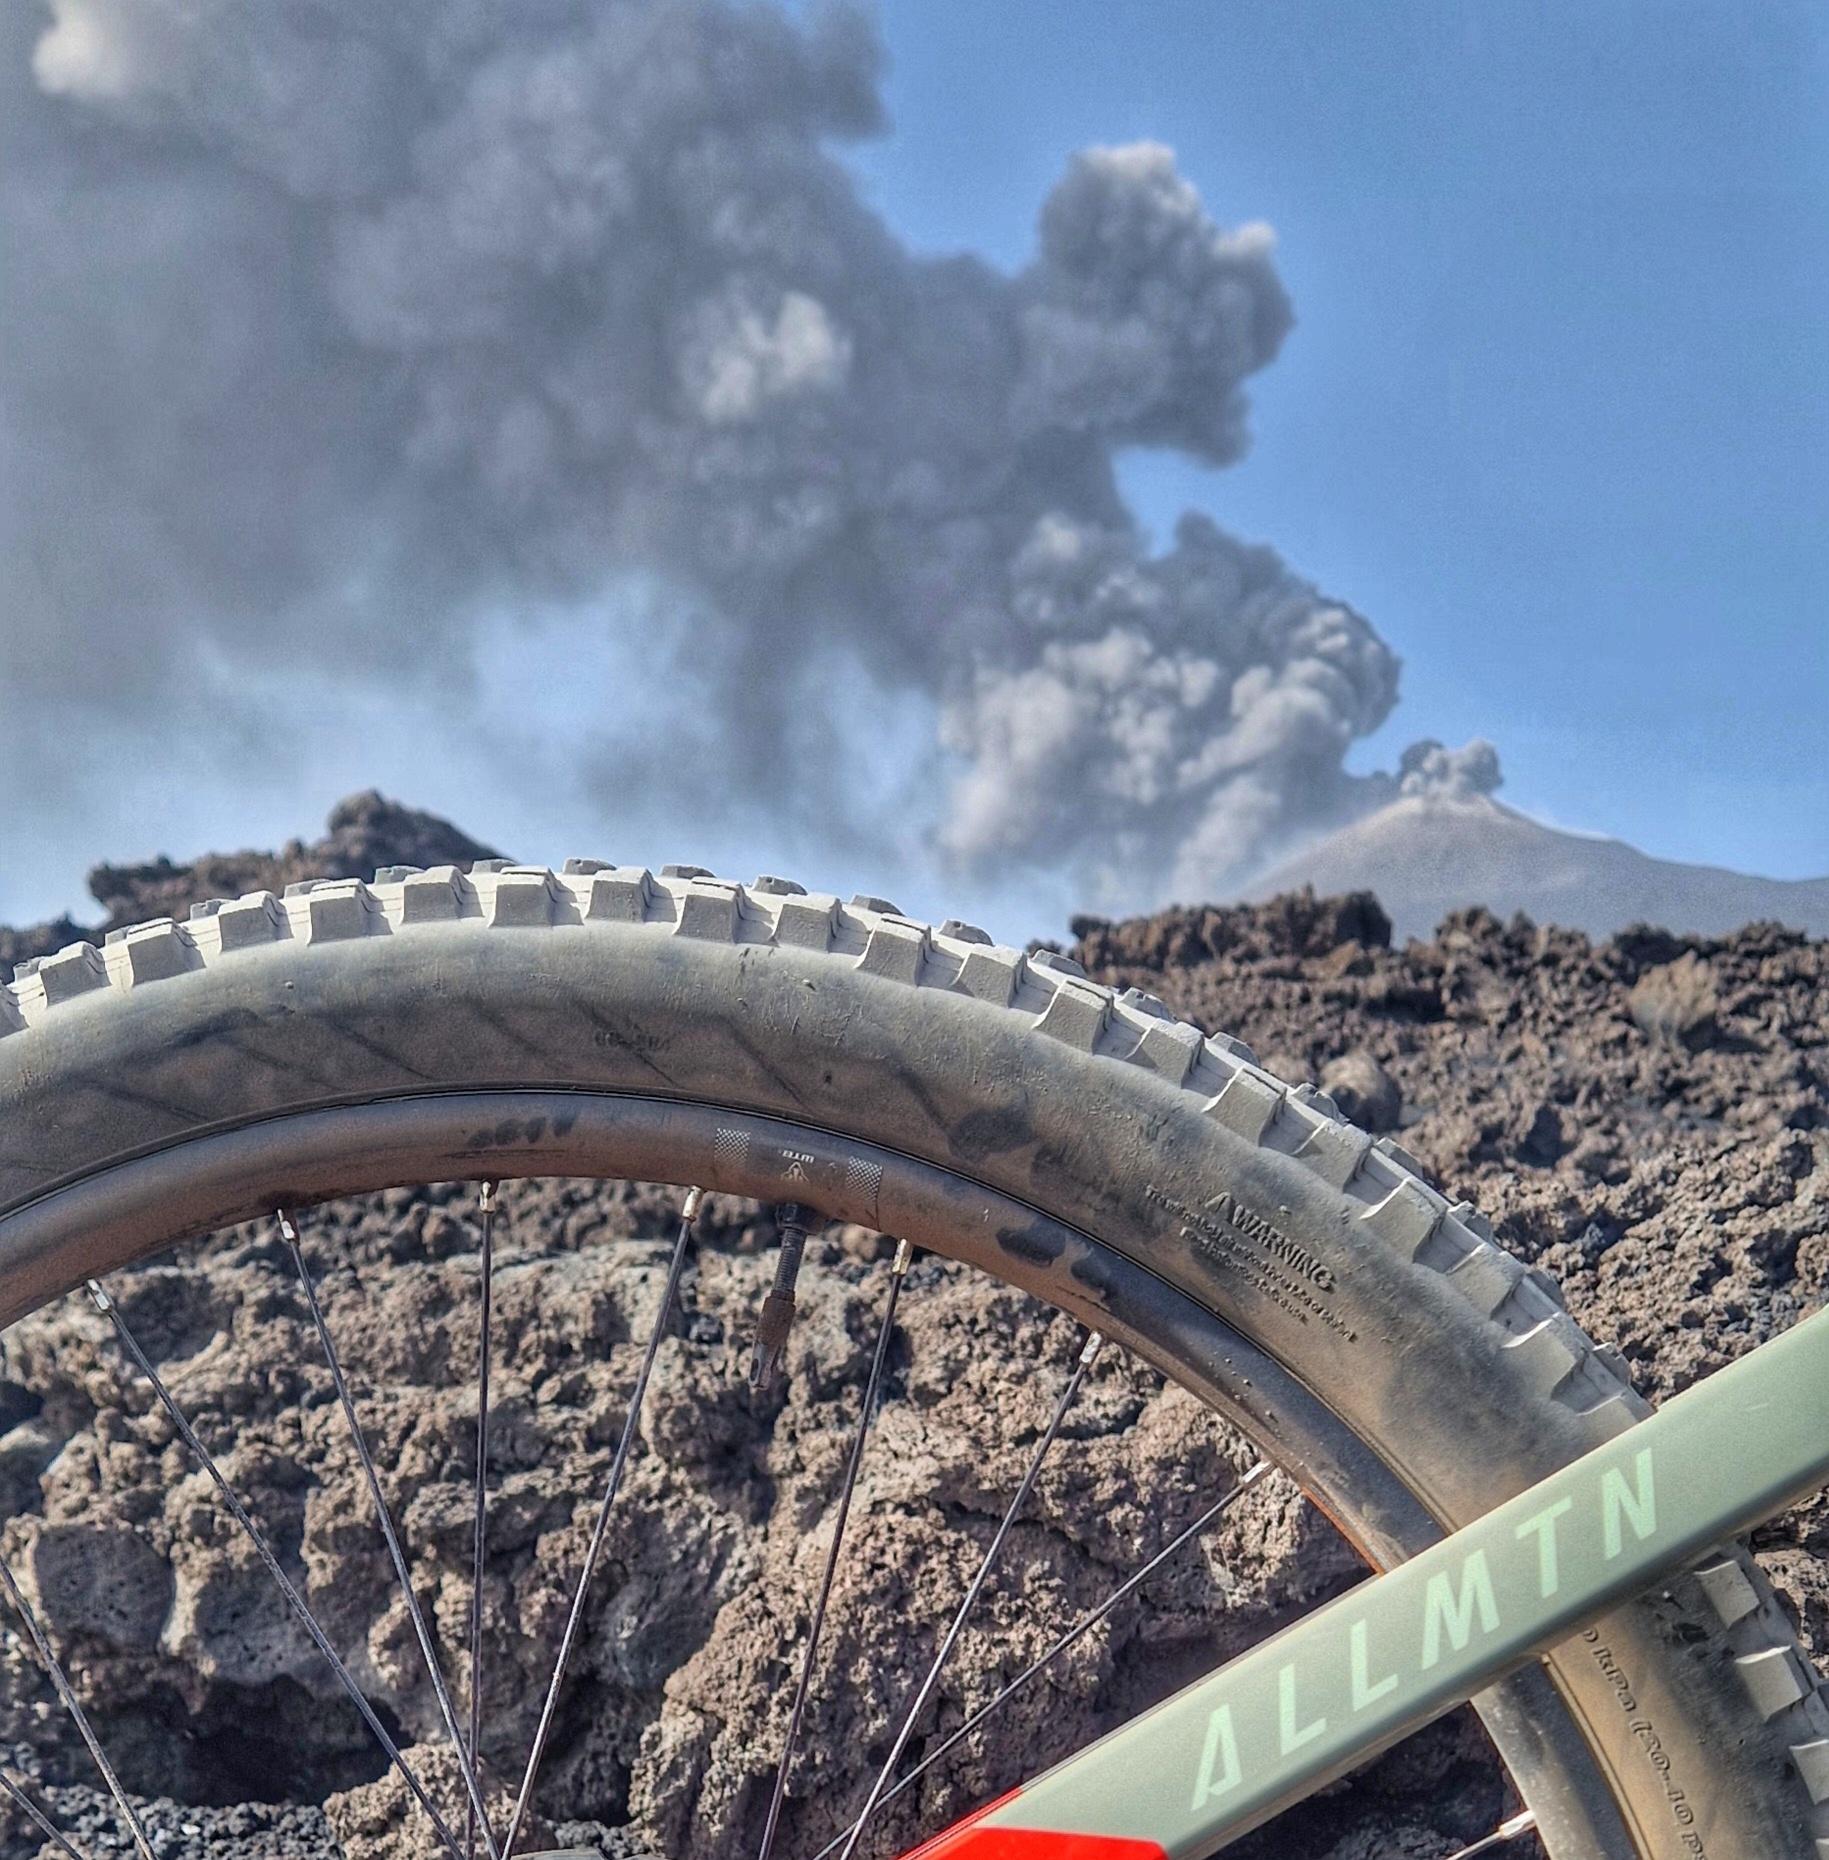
(364, 833)
(1678, 1002)
(17, 946)
(1364, 1091)
(1671, 1093)
(1298, 926)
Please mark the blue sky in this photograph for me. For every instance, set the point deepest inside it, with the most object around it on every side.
(1553, 415)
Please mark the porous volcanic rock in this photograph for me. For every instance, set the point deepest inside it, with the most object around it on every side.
(679, 1693)
(1364, 1091)
(1676, 1182)
(364, 832)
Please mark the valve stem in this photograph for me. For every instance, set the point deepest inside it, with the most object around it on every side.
(777, 1318)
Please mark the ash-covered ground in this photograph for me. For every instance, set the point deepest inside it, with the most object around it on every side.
(1647, 1118)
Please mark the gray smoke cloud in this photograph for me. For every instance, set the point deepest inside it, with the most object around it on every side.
(1427, 768)
(335, 329)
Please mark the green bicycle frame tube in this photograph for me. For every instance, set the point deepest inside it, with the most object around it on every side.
(1234, 1749)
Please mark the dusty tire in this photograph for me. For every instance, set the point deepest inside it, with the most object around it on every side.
(1454, 1365)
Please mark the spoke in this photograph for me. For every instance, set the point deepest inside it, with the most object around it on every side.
(1087, 1353)
(486, 1267)
(1501, 1836)
(46, 1826)
(1077, 1632)
(264, 1551)
(289, 1233)
(66, 1693)
(677, 1266)
(898, 1270)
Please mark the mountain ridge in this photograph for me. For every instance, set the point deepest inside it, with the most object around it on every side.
(1428, 856)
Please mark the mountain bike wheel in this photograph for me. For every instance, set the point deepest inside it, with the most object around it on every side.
(992, 1107)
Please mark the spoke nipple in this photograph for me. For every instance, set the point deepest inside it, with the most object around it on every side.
(772, 1329)
(101, 1299)
(288, 1230)
(695, 1199)
(1519, 1824)
(485, 1196)
(1094, 1342)
(904, 1257)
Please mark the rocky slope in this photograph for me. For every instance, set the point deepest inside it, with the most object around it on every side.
(1646, 1117)
(363, 833)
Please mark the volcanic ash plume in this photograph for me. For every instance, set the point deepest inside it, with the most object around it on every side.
(1458, 774)
(334, 333)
